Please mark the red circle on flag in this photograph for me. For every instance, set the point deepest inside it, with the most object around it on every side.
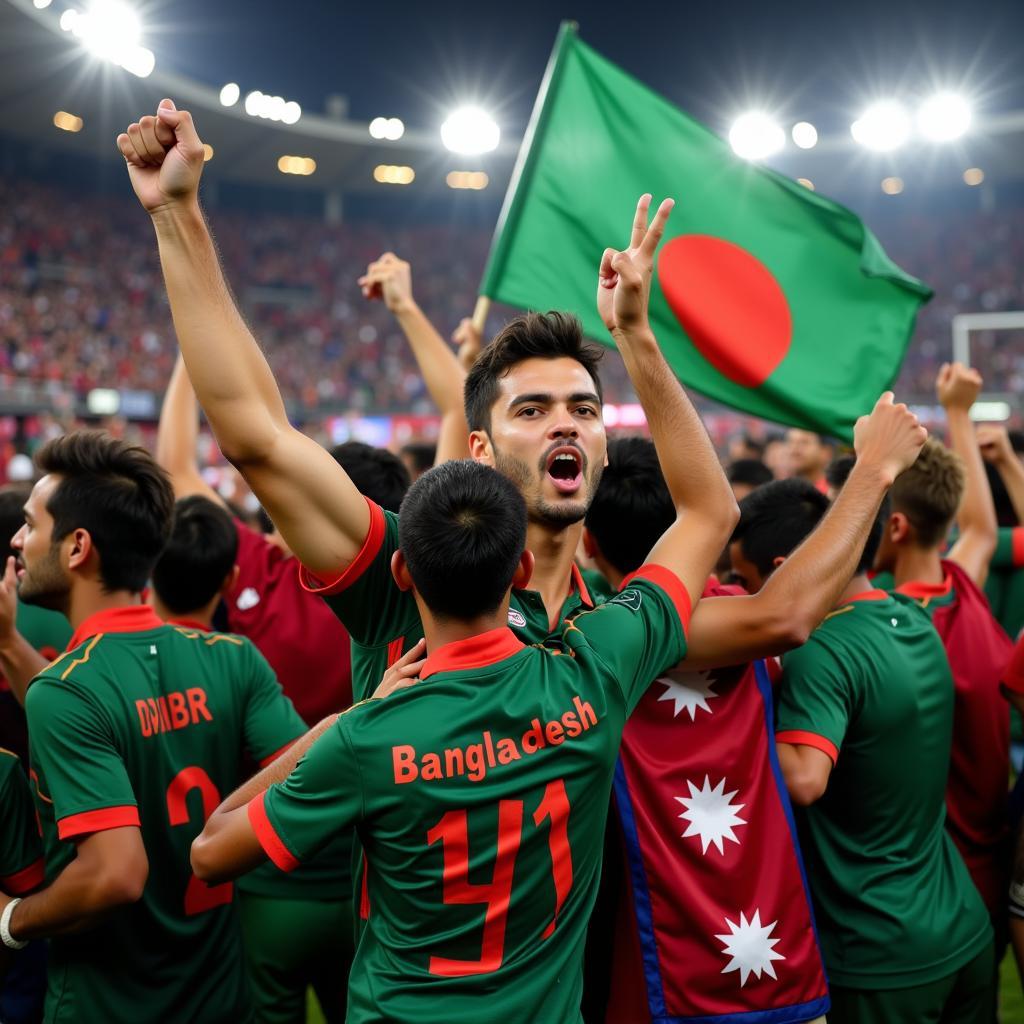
(730, 305)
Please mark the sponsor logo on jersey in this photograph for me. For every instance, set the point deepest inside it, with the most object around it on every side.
(247, 599)
(477, 759)
(516, 618)
(631, 599)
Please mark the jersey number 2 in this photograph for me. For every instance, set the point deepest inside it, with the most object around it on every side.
(452, 830)
(199, 896)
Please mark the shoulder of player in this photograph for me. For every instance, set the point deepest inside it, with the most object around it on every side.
(212, 638)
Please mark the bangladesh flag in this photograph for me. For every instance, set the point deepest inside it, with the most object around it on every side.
(767, 297)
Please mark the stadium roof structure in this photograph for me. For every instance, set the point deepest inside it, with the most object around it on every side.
(44, 71)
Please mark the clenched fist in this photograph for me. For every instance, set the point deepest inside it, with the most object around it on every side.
(164, 157)
(957, 386)
(390, 279)
(890, 438)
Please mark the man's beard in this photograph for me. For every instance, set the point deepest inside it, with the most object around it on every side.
(556, 515)
(46, 585)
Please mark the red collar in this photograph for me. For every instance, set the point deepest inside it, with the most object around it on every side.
(132, 618)
(869, 595)
(581, 585)
(919, 590)
(475, 652)
(189, 624)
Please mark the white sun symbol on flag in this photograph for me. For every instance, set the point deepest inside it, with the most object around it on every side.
(750, 947)
(689, 691)
(710, 814)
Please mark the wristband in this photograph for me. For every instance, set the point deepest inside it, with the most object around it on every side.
(5, 927)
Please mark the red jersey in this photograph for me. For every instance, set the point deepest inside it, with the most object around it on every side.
(976, 794)
(715, 919)
(307, 647)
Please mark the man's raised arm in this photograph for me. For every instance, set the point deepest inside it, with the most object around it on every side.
(309, 496)
(704, 500)
(806, 587)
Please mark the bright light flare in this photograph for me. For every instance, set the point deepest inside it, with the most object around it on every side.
(892, 186)
(391, 174)
(882, 127)
(470, 131)
(944, 117)
(805, 135)
(229, 94)
(110, 30)
(974, 176)
(390, 128)
(474, 180)
(755, 135)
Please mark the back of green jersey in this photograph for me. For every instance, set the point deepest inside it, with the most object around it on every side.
(148, 728)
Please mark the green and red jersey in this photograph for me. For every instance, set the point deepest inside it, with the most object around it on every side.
(872, 689)
(1004, 586)
(21, 852)
(480, 796)
(144, 724)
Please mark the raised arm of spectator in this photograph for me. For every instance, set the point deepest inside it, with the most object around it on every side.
(390, 279)
(314, 504)
(20, 662)
(958, 387)
(995, 446)
(706, 508)
(806, 587)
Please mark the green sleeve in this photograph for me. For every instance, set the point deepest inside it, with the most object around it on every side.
(1009, 553)
(76, 750)
(271, 721)
(815, 699)
(640, 632)
(322, 797)
(21, 851)
(365, 597)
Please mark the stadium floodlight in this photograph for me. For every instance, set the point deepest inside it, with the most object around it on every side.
(229, 94)
(805, 135)
(806, 182)
(394, 129)
(41, 5)
(292, 112)
(892, 186)
(944, 117)
(974, 176)
(139, 61)
(754, 136)
(110, 30)
(470, 131)
(378, 126)
(883, 126)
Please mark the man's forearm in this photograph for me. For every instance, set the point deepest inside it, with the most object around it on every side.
(441, 370)
(20, 663)
(977, 511)
(231, 377)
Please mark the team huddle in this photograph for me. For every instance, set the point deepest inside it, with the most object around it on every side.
(498, 743)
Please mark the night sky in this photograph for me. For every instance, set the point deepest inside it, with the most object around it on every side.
(818, 61)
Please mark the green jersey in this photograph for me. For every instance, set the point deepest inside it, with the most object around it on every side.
(142, 723)
(48, 632)
(872, 689)
(480, 796)
(21, 853)
(1004, 586)
(384, 621)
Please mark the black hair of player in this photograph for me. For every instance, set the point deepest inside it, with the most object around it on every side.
(462, 531)
(198, 557)
(1006, 515)
(118, 493)
(378, 473)
(752, 472)
(550, 335)
(632, 507)
(776, 518)
(421, 454)
(12, 515)
(837, 473)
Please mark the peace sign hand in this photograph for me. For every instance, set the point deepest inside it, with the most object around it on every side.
(624, 280)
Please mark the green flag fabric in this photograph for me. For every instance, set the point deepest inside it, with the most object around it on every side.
(767, 296)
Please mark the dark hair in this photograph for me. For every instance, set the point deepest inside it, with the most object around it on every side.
(776, 518)
(929, 492)
(12, 514)
(462, 531)
(377, 473)
(117, 492)
(198, 557)
(752, 472)
(1006, 515)
(551, 335)
(422, 454)
(837, 473)
(632, 507)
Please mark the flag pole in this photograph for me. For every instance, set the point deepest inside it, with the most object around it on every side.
(480, 312)
(522, 171)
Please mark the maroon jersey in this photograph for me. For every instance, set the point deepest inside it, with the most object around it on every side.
(307, 647)
(976, 794)
(715, 916)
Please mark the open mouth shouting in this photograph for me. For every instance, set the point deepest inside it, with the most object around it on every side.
(564, 467)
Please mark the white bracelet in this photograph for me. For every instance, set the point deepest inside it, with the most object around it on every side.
(5, 927)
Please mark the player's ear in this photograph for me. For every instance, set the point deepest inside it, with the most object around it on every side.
(524, 571)
(400, 571)
(480, 447)
(230, 580)
(899, 528)
(78, 546)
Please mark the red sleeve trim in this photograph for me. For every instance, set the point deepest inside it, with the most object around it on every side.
(1017, 546)
(25, 880)
(271, 758)
(273, 845)
(800, 738)
(367, 553)
(670, 583)
(98, 821)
